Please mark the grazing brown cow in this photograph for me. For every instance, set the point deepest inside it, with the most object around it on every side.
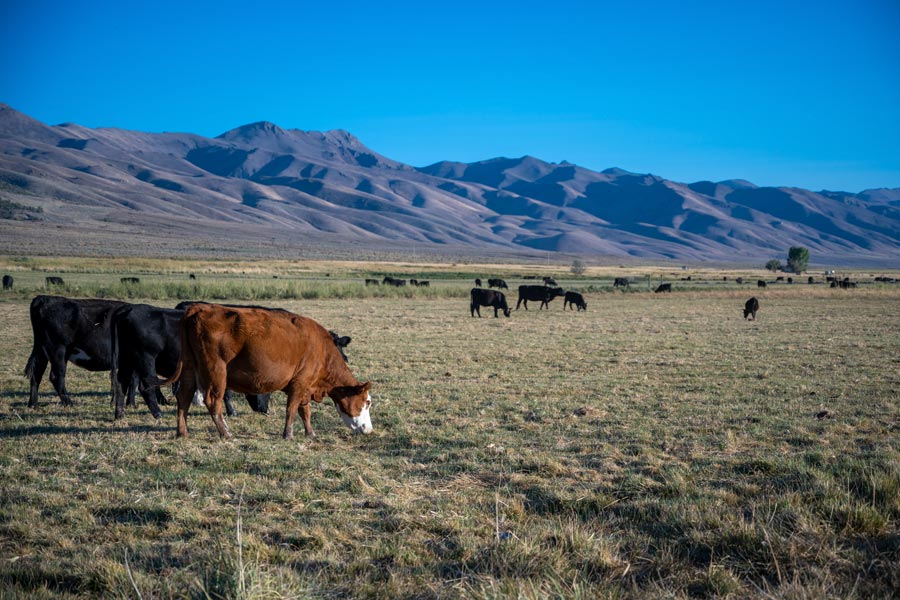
(259, 351)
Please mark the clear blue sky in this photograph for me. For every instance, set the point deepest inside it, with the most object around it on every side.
(803, 93)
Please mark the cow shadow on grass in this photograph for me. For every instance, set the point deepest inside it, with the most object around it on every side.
(32, 430)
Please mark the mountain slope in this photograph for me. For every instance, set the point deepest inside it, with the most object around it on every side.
(260, 180)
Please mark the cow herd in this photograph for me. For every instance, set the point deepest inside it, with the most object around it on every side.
(535, 293)
(207, 349)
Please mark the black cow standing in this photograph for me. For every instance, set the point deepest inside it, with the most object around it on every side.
(54, 281)
(145, 341)
(620, 282)
(7, 282)
(68, 330)
(498, 283)
(576, 300)
(477, 282)
(538, 293)
(482, 297)
(663, 287)
(760, 283)
(750, 308)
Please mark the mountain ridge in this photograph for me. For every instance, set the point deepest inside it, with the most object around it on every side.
(330, 187)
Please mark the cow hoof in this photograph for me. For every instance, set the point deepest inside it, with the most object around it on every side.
(119, 415)
(157, 416)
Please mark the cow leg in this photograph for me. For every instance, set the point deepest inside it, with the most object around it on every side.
(259, 403)
(229, 404)
(37, 373)
(184, 396)
(123, 378)
(215, 393)
(58, 375)
(146, 372)
(134, 383)
(298, 401)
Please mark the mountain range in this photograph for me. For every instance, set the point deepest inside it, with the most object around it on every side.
(146, 192)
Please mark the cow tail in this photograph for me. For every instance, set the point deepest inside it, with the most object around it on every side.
(114, 360)
(178, 367)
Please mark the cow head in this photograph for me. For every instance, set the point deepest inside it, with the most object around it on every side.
(352, 403)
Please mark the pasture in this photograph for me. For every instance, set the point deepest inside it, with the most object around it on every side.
(657, 445)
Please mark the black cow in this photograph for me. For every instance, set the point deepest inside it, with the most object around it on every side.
(750, 308)
(128, 280)
(550, 281)
(810, 280)
(388, 280)
(372, 282)
(477, 282)
(424, 283)
(68, 330)
(621, 282)
(54, 281)
(538, 293)
(779, 279)
(7, 282)
(482, 297)
(576, 300)
(414, 282)
(145, 341)
(192, 277)
(498, 283)
(790, 280)
(760, 283)
(663, 287)
(740, 280)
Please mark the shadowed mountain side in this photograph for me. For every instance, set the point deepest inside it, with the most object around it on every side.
(261, 180)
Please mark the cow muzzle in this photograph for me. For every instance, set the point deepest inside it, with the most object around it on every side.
(361, 423)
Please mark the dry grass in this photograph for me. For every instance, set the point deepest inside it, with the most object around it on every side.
(655, 446)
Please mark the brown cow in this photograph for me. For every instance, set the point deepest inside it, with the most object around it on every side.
(258, 351)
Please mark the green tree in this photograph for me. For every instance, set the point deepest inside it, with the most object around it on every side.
(798, 259)
(578, 267)
(774, 265)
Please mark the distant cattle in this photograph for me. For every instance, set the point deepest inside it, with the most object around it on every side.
(779, 279)
(425, 283)
(7, 282)
(663, 287)
(750, 308)
(258, 351)
(620, 282)
(130, 280)
(550, 281)
(576, 300)
(192, 277)
(529, 277)
(388, 280)
(725, 278)
(760, 283)
(688, 278)
(67, 330)
(414, 282)
(372, 282)
(538, 293)
(477, 282)
(55, 281)
(497, 283)
(419, 282)
(482, 297)
(790, 280)
(740, 280)
(810, 280)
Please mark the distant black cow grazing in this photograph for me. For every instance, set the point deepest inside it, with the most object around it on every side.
(576, 300)
(550, 281)
(192, 277)
(790, 280)
(55, 281)
(740, 280)
(482, 297)
(663, 287)
(497, 283)
(388, 280)
(750, 308)
(779, 279)
(760, 283)
(477, 282)
(372, 282)
(129, 280)
(414, 282)
(810, 280)
(538, 293)
(67, 330)
(7, 282)
(621, 282)
(425, 283)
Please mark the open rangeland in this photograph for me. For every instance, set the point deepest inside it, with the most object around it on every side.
(653, 446)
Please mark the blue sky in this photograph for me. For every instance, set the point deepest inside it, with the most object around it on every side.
(780, 93)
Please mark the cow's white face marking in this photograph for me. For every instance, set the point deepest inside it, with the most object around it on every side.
(361, 423)
(80, 355)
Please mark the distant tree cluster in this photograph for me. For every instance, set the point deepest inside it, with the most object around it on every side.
(578, 267)
(798, 259)
(773, 265)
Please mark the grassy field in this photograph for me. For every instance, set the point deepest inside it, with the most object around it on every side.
(654, 446)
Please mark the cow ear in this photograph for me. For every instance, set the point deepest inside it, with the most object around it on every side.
(365, 387)
(344, 341)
